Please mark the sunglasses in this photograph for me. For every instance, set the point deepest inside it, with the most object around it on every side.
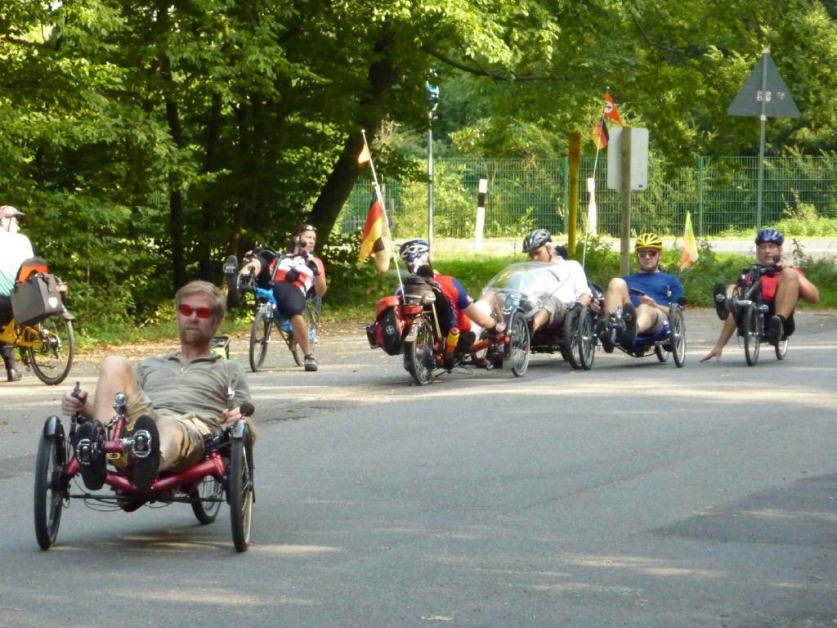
(188, 310)
(648, 253)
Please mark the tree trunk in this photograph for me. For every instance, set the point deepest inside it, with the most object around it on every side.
(176, 202)
(211, 218)
(371, 110)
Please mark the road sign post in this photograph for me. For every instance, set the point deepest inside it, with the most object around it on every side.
(764, 95)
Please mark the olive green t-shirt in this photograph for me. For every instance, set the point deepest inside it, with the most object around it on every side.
(205, 387)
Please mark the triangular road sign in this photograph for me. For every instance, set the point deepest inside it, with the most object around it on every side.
(764, 88)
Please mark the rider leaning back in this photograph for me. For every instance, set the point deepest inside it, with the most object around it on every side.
(179, 399)
(464, 314)
(781, 289)
(643, 296)
(292, 277)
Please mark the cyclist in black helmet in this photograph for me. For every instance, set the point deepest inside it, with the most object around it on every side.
(782, 289)
(292, 277)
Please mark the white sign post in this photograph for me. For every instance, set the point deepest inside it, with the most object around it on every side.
(479, 227)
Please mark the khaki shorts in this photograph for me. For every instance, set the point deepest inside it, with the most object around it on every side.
(662, 319)
(188, 431)
(556, 309)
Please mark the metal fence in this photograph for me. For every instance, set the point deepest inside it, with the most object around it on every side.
(720, 193)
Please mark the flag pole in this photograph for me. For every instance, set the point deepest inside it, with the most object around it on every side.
(380, 199)
(591, 192)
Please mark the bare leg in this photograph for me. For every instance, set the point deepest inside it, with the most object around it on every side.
(616, 296)
(540, 319)
(787, 293)
(115, 375)
(646, 318)
(300, 328)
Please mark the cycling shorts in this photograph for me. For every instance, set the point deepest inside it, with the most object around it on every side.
(289, 299)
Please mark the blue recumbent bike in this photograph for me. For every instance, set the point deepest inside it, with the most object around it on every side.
(670, 338)
(266, 318)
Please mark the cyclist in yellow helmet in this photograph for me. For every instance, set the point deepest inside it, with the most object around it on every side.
(640, 299)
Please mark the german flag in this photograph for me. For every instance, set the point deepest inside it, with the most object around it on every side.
(600, 134)
(375, 238)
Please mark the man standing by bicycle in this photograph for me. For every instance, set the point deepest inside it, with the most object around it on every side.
(782, 287)
(642, 298)
(15, 248)
(292, 277)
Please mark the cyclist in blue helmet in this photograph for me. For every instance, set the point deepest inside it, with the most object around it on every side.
(782, 290)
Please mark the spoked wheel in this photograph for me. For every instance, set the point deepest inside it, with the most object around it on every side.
(51, 354)
(51, 487)
(661, 353)
(206, 499)
(677, 340)
(585, 340)
(519, 345)
(752, 335)
(240, 490)
(419, 358)
(293, 346)
(260, 337)
(570, 338)
(781, 349)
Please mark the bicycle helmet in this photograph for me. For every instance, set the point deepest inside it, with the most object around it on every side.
(770, 235)
(416, 253)
(649, 240)
(536, 239)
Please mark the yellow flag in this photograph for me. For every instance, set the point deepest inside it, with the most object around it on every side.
(364, 156)
(689, 255)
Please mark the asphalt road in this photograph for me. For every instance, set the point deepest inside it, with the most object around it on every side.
(634, 494)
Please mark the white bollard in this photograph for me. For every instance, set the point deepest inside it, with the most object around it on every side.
(479, 227)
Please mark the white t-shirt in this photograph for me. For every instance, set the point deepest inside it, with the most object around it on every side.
(563, 280)
(15, 248)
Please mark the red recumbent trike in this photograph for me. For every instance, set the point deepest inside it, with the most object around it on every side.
(224, 474)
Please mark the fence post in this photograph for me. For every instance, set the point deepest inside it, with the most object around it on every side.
(572, 189)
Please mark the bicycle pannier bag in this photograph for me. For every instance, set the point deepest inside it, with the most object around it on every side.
(387, 330)
(35, 299)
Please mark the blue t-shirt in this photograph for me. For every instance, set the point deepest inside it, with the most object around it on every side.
(655, 285)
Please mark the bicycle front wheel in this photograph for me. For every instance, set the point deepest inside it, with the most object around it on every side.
(260, 337)
(51, 353)
(752, 335)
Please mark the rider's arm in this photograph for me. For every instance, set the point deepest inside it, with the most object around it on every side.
(726, 333)
(320, 286)
(479, 317)
(580, 284)
(76, 403)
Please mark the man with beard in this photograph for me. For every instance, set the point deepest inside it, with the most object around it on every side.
(179, 398)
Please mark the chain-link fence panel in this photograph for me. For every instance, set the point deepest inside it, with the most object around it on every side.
(720, 193)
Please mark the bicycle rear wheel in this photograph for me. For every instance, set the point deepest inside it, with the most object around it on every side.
(51, 353)
(419, 358)
(260, 337)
